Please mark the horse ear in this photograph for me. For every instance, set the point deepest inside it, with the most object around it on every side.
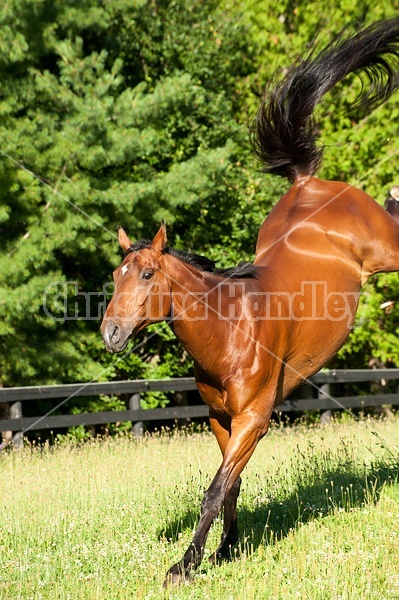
(123, 239)
(160, 240)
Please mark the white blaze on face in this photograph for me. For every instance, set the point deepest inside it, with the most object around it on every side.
(124, 269)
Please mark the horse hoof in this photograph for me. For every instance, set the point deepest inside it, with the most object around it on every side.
(175, 578)
(219, 557)
(395, 192)
(392, 203)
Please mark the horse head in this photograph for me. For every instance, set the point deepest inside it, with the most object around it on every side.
(142, 290)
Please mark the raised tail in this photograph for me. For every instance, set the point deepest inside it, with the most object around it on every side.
(284, 134)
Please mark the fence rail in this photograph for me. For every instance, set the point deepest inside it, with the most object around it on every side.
(323, 380)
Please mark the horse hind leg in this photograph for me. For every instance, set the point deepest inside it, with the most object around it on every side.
(392, 203)
(384, 235)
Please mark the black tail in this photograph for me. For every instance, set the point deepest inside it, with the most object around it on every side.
(284, 134)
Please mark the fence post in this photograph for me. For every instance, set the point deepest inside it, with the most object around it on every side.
(16, 413)
(138, 427)
(326, 415)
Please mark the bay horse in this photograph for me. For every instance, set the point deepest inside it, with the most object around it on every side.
(257, 331)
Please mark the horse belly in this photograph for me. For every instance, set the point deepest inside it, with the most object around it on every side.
(313, 342)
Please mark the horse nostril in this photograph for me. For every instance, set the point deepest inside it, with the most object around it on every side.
(115, 334)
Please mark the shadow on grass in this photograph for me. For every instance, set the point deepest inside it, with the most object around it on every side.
(318, 492)
(339, 490)
(187, 520)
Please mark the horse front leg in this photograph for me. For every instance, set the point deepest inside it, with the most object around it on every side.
(246, 431)
(229, 536)
(221, 427)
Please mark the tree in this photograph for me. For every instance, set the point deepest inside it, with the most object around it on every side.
(112, 113)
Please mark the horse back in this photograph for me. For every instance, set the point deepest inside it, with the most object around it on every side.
(327, 224)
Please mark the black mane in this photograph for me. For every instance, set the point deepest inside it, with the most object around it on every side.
(202, 263)
(241, 271)
(137, 246)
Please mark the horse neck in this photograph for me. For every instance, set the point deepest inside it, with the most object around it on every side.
(190, 288)
(201, 310)
(194, 303)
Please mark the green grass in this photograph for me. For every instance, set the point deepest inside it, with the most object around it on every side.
(319, 517)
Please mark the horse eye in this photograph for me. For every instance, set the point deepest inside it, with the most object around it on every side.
(147, 275)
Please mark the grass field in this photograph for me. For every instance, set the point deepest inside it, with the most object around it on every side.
(319, 517)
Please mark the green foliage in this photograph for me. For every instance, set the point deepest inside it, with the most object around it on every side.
(375, 338)
(112, 113)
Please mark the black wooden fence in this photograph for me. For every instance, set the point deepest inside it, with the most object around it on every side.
(322, 382)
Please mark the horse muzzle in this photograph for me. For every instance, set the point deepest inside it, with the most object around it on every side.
(115, 337)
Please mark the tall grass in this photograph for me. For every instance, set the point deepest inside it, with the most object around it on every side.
(319, 517)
